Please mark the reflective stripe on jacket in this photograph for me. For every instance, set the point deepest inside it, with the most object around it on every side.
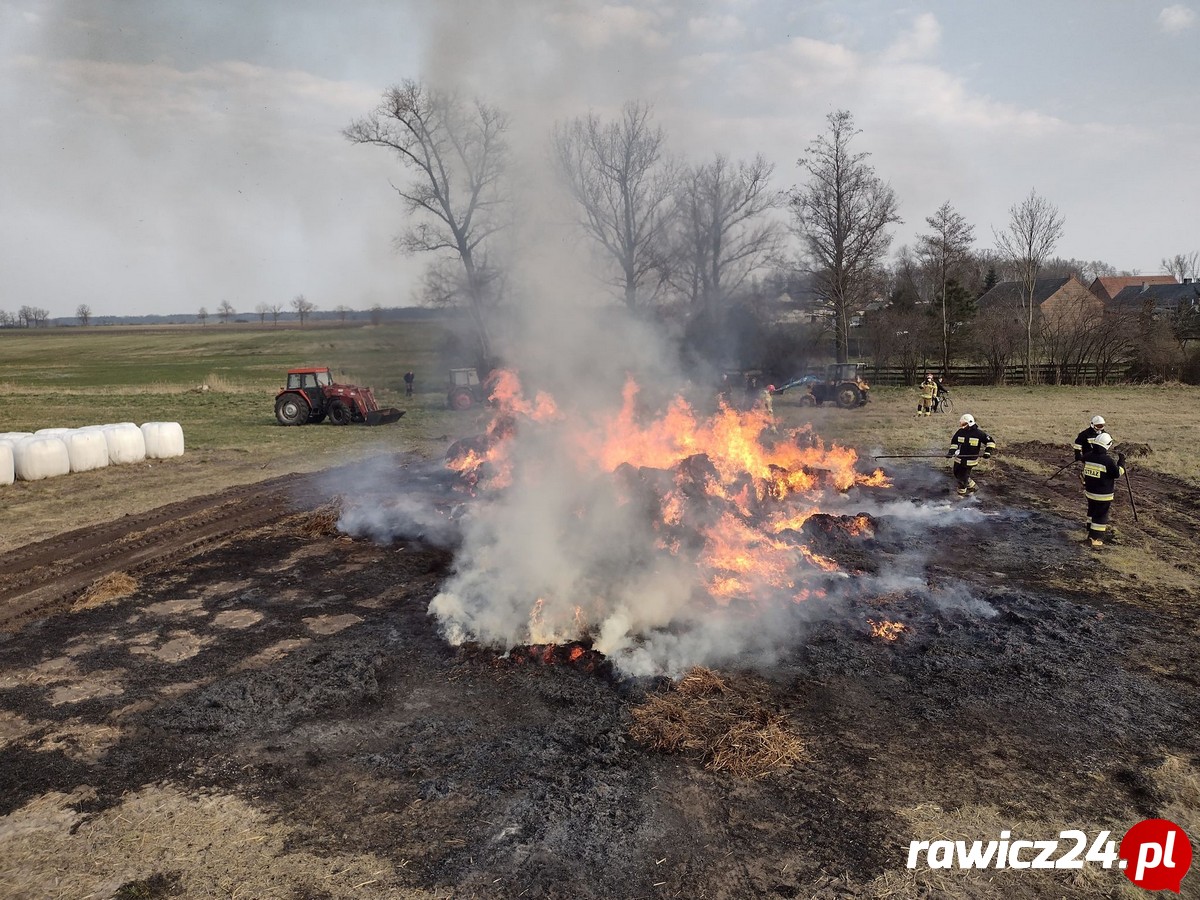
(970, 441)
(1100, 474)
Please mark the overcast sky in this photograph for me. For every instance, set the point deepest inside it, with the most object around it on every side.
(157, 157)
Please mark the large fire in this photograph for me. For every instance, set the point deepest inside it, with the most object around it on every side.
(724, 499)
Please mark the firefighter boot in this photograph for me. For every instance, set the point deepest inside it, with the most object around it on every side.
(970, 485)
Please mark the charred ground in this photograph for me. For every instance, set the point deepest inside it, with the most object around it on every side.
(275, 713)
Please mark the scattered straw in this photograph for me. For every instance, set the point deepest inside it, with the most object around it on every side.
(729, 731)
(322, 521)
(113, 586)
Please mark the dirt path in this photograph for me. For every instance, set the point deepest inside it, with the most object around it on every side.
(268, 715)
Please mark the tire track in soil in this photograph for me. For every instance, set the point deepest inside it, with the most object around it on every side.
(46, 576)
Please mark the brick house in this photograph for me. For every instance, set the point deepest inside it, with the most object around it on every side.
(1057, 299)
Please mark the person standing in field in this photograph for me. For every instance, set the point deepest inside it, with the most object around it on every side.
(968, 445)
(1099, 477)
(1085, 439)
(409, 378)
(928, 392)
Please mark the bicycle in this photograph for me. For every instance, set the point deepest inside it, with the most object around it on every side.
(944, 403)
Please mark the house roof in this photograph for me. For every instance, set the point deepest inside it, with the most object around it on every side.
(1108, 287)
(1162, 296)
(1013, 291)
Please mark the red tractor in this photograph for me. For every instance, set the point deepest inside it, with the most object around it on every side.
(312, 395)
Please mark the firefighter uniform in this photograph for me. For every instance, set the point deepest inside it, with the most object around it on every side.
(929, 390)
(1100, 474)
(1083, 443)
(968, 445)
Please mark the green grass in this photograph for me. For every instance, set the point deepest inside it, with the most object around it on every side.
(67, 378)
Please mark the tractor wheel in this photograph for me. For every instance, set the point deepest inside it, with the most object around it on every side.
(339, 413)
(291, 409)
(808, 400)
(848, 396)
(461, 399)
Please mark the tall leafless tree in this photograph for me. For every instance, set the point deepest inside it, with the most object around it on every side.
(83, 313)
(943, 250)
(1034, 228)
(842, 215)
(458, 152)
(225, 312)
(623, 182)
(275, 309)
(1182, 265)
(303, 306)
(202, 315)
(725, 230)
(261, 311)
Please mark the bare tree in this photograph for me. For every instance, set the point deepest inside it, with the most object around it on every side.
(225, 312)
(261, 311)
(1182, 266)
(83, 313)
(623, 182)
(998, 333)
(725, 232)
(459, 154)
(202, 316)
(1034, 228)
(32, 316)
(302, 306)
(946, 248)
(376, 314)
(275, 309)
(342, 311)
(842, 216)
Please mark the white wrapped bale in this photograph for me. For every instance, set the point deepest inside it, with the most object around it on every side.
(125, 443)
(87, 449)
(10, 438)
(164, 440)
(36, 458)
(52, 432)
(7, 472)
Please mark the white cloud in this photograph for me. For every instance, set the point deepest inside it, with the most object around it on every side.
(1177, 18)
(716, 29)
(609, 24)
(918, 42)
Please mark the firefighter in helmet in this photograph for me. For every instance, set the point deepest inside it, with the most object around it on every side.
(1083, 443)
(1099, 477)
(968, 445)
(929, 390)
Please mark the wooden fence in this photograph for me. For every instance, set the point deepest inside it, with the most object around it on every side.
(1042, 374)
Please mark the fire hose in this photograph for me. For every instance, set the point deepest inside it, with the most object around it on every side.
(913, 456)
(1062, 469)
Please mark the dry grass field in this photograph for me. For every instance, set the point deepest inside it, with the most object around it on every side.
(275, 713)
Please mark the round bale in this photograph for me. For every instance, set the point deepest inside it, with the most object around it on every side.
(7, 472)
(126, 444)
(36, 458)
(163, 439)
(87, 448)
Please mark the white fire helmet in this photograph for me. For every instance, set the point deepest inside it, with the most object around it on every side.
(966, 419)
(1103, 439)
(1097, 421)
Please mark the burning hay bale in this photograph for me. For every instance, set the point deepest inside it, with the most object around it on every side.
(730, 731)
(113, 586)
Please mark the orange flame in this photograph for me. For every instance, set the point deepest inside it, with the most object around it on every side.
(886, 630)
(752, 485)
